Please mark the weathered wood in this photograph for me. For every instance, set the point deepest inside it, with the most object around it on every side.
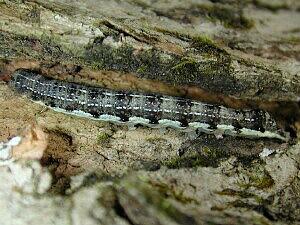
(240, 53)
(228, 47)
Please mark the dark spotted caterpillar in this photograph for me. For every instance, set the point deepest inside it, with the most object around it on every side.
(146, 109)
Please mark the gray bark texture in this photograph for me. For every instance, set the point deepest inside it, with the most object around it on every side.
(241, 54)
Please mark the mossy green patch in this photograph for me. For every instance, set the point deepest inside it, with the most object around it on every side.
(206, 157)
(186, 61)
(155, 139)
(273, 6)
(43, 48)
(141, 4)
(174, 33)
(142, 69)
(230, 16)
(258, 177)
(212, 72)
(292, 40)
(111, 58)
(168, 191)
(103, 138)
(141, 191)
(231, 192)
(260, 221)
(57, 7)
(261, 181)
(208, 47)
(204, 41)
(97, 66)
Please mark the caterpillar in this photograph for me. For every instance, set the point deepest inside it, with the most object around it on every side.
(146, 109)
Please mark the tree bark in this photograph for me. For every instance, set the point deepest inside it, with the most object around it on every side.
(230, 52)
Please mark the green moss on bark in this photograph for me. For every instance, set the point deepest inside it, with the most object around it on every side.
(231, 17)
(31, 47)
(273, 6)
(139, 193)
(212, 72)
(206, 157)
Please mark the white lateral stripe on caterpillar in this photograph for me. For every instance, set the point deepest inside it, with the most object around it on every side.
(146, 109)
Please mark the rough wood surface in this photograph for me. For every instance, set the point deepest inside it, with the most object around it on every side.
(235, 48)
(237, 53)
